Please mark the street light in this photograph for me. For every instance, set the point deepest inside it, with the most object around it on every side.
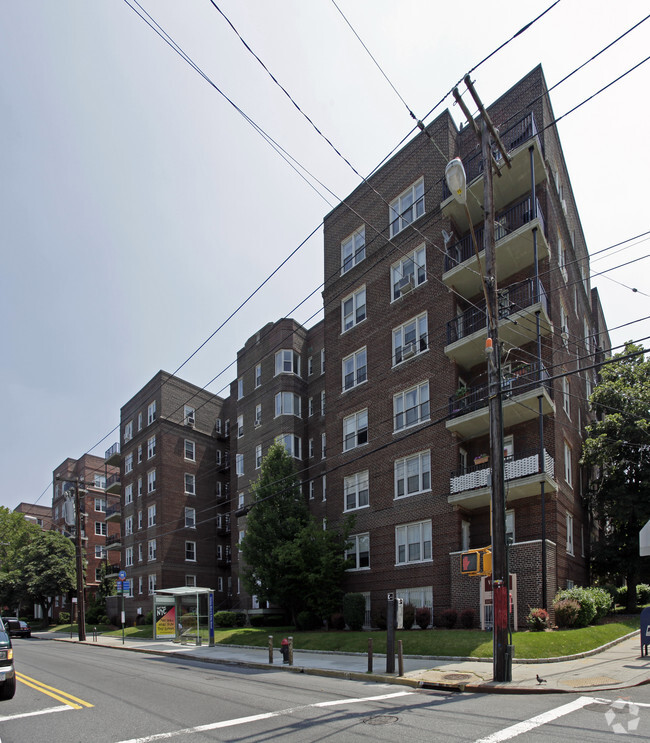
(457, 180)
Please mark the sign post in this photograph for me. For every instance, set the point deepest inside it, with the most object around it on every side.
(390, 633)
(121, 584)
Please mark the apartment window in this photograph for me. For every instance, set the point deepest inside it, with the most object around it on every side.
(258, 456)
(408, 272)
(151, 447)
(561, 259)
(510, 526)
(220, 584)
(128, 557)
(311, 448)
(239, 464)
(353, 309)
(240, 388)
(355, 491)
(322, 402)
(227, 427)
(411, 406)
(322, 361)
(190, 450)
(413, 474)
(287, 403)
(359, 551)
(324, 487)
(128, 494)
(258, 375)
(413, 542)
(569, 533)
(242, 534)
(140, 584)
(152, 582)
(310, 366)
(128, 431)
(355, 369)
(128, 463)
(323, 445)
(568, 470)
(587, 334)
(190, 484)
(353, 249)
(258, 415)
(139, 421)
(151, 481)
(406, 208)
(291, 443)
(218, 457)
(310, 406)
(128, 526)
(139, 519)
(139, 487)
(566, 399)
(151, 515)
(312, 489)
(139, 453)
(240, 500)
(190, 518)
(189, 414)
(217, 425)
(410, 339)
(190, 581)
(190, 551)
(100, 551)
(140, 554)
(151, 550)
(564, 326)
(464, 535)
(151, 413)
(100, 481)
(287, 362)
(240, 426)
(355, 430)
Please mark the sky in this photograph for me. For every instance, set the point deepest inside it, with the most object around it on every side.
(139, 208)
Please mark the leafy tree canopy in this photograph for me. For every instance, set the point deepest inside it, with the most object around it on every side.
(15, 534)
(618, 448)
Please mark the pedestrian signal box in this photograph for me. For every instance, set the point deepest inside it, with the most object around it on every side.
(476, 562)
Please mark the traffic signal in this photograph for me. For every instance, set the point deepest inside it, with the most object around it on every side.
(470, 562)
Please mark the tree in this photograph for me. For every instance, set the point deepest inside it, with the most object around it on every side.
(289, 559)
(15, 534)
(618, 448)
(47, 567)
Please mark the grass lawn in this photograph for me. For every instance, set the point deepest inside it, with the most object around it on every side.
(416, 642)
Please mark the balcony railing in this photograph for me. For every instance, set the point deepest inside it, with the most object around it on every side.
(511, 300)
(112, 570)
(479, 476)
(113, 539)
(519, 380)
(505, 222)
(112, 511)
(115, 449)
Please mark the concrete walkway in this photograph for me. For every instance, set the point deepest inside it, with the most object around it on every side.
(618, 665)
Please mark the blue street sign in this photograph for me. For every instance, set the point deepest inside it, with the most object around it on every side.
(126, 586)
(122, 574)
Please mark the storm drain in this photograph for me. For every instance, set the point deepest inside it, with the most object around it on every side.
(381, 720)
(593, 681)
(457, 676)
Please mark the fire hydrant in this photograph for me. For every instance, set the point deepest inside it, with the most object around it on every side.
(284, 649)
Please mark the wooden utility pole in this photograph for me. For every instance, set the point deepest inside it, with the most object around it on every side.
(81, 603)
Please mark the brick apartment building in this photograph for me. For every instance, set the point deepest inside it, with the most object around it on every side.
(90, 473)
(402, 443)
(39, 515)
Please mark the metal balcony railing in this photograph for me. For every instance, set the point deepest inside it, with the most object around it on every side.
(115, 449)
(517, 466)
(112, 510)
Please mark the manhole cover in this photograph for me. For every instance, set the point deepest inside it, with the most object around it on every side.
(456, 676)
(381, 720)
(594, 681)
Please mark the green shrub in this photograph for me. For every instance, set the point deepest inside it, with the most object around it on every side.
(306, 621)
(603, 602)
(148, 617)
(224, 619)
(423, 617)
(379, 619)
(537, 620)
(354, 610)
(104, 619)
(643, 593)
(408, 616)
(448, 618)
(621, 596)
(337, 621)
(566, 612)
(274, 620)
(240, 619)
(257, 620)
(64, 617)
(467, 618)
(585, 600)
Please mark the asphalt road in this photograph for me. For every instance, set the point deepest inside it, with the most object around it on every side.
(69, 693)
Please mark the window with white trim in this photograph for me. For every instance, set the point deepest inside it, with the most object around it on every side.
(287, 361)
(128, 494)
(151, 447)
(190, 483)
(566, 396)
(258, 456)
(355, 430)
(410, 339)
(151, 515)
(258, 415)
(310, 406)
(240, 388)
(359, 551)
(569, 533)
(564, 326)
(409, 272)
(190, 551)
(413, 542)
(312, 489)
(287, 403)
(139, 487)
(322, 402)
(406, 208)
(355, 491)
(189, 415)
(190, 518)
(101, 528)
(128, 557)
(323, 445)
(322, 361)
(353, 249)
(291, 443)
(139, 421)
(220, 584)
(128, 526)
(151, 412)
(139, 453)
(151, 550)
(100, 552)
(100, 481)
(128, 431)
(139, 519)
(128, 463)
(152, 583)
(190, 581)
(354, 369)
(310, 366)
(258, 375)
(190, 450)
(324, 483)
(561, 259)
(510, 525)
(568, 468)
(413, 474)
(140, 552)
(411, 406)
(239, 464)
(353, 309)
(151, 481)
(240, 426)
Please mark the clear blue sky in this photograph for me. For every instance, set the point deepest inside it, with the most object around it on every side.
(138, 208)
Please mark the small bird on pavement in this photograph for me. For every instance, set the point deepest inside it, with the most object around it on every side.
(539, 679)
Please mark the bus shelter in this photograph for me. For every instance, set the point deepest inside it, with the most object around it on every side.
(184, 614)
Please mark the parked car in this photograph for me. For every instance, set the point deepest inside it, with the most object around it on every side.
(16, 627)
(7, 671)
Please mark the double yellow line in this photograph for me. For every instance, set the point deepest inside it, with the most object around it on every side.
(60, 696)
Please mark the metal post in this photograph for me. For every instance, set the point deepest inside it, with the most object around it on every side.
(270, 648)
(291, 651)
(370, 658)
(390, 634)
(81, 604)
(400, 659)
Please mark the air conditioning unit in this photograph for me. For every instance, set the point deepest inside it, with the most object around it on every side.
(189, 421)
(405, 285)
(410, 349)
(258, 423)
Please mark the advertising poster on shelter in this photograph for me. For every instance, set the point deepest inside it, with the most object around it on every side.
(165, 620)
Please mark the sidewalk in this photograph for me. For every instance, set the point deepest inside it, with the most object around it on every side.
(618, 665)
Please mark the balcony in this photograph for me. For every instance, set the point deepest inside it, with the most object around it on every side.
(513, 181)
(513, 248)
(469, 415)
(472, 489)
(112, 455)
(517, 324)
(223, 524)
(113, 513)
(114, 542)
(112, 570)
(113, 484)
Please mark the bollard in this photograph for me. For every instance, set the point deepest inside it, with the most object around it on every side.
(400, 659)
(291, 651)
(270, 648)
(370, 655)
(94, 634)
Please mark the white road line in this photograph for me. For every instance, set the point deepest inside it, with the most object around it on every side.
(534, 722)
(263, 716)
(62, 708)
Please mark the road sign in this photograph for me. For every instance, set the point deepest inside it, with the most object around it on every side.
(122, 574)
(126, 586)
